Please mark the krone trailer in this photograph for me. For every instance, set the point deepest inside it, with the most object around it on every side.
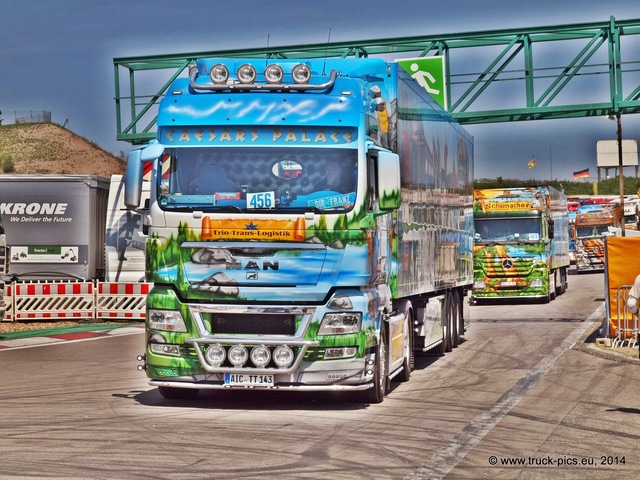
(310, 227)
(70, 249)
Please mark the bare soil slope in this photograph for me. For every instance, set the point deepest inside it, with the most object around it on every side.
(47, 148)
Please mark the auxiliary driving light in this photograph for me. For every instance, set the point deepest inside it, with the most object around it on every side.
(260, 356)
(165, 349)
(246, 74)
(283, 356)
(340, 352)
(238, 355)
(219, 74)
(301, 74)
(216, 354)
(273, 74)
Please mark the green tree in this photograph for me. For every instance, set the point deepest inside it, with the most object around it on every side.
(609, 186)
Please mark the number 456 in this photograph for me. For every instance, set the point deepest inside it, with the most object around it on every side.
(261, 200)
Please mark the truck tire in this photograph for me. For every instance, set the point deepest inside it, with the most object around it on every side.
(455, 319)
(380, 387)
(446, 346)
(552, 290)
(409, 356)
(560, 281)
(563, 279)
(172, 393)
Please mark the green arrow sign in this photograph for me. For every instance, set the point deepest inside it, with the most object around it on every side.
(429, 73)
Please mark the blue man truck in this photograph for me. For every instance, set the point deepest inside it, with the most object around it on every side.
(310, 227)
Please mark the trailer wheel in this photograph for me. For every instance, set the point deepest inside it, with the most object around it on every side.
(455, 319)
(173, 393)
(380, 375)
(553, 292)
(445, 346)
(563, 280)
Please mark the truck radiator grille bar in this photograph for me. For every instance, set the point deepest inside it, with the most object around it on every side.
(501, 267)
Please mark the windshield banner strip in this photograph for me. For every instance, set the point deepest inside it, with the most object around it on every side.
(268, 135)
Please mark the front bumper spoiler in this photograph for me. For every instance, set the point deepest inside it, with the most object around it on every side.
(289, 387)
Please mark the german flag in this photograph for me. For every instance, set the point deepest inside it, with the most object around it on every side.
(581, 174)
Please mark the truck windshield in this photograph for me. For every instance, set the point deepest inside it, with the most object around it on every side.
(244, 179)
(507, 229)
(592, 231)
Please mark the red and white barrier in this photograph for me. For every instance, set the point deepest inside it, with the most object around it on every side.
(8, 302)
(52, 300)
(122, 300)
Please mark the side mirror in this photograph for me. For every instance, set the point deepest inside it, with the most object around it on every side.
(388, 180)
(134, 173)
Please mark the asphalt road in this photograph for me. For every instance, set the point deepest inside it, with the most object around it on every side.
(517, 399)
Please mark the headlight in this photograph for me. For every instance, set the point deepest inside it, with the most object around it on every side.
(283, 356)
(219, 74)
(167, 320)
(273, 74)
(536, 283)
(238, 355)
(301, 74)
(260, 356)
(216, 354)
(340, 323)
(246, 74)
(478, 285)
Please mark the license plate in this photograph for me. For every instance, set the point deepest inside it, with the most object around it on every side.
(246, 380)
(508, 284)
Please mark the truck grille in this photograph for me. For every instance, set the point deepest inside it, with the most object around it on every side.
(252, 323)
(509, 267)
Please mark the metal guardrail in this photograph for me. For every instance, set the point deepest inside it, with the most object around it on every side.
(505, 57)
(627, 331)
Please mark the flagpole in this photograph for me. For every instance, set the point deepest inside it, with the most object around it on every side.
(550, 162)
(621, 167)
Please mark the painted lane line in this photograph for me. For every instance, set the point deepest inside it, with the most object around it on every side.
(443, 461)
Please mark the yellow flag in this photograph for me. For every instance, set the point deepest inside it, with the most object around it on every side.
(532, 163)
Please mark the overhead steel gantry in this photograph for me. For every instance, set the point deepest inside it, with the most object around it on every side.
(563, 71)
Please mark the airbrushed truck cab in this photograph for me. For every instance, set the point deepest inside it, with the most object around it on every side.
(521, 243)
(273, 268)
(592, 227)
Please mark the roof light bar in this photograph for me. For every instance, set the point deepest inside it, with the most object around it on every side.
(219, 74)
(246, 74)
(273, 74)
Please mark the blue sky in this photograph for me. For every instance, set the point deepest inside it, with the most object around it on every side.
(57, 55)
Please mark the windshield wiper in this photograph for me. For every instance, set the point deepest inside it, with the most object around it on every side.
(227, 208)
(304, 209)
